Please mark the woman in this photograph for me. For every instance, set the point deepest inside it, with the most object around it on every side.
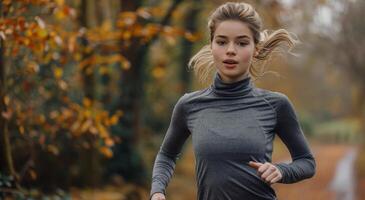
(233, 123)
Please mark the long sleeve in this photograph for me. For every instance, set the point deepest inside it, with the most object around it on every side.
(170, 149)
(303, 164)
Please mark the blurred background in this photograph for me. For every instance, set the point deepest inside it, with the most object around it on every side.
(87, 89)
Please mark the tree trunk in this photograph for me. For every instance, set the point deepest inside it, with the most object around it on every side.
(187, 46)
(91, 156)
(126, 159)
(6, 160)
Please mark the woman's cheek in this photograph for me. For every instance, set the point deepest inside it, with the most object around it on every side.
(246, 55)
(217, 54)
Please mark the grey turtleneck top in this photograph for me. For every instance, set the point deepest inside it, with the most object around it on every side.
(232, 124)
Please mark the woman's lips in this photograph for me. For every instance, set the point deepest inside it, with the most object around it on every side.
(230, 65)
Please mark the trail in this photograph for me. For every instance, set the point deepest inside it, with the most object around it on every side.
(343, 183)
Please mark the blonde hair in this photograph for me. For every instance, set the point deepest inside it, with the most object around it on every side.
(266, 42)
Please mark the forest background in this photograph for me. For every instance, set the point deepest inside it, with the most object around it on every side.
(87, 89)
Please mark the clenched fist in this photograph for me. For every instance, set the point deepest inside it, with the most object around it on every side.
(267, 171)
(158, 196)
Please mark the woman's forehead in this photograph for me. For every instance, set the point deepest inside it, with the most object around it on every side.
(233, 29)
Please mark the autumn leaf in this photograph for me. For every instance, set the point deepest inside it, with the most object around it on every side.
(33, 174)
(60, 2)
(125, 64)
(53, 149)
(102, 130)
(106, 152)
(60, 15)
(86, 102)
(143, 12)
(21, 130)
(58, 72)
(7, 114)
(158, 72)
(106, 26)
(7, 100)
(192, 37)
(86, 125)
(114, 120)
(42, 33)
(109, 142)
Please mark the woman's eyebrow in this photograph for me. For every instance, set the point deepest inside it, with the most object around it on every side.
(238, 37)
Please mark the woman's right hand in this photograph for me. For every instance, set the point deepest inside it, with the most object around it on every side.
(158, 196)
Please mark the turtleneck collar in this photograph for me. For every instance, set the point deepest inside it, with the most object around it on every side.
(239, 88)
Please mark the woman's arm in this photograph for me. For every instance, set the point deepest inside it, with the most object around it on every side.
(303, 164)
(170, 149)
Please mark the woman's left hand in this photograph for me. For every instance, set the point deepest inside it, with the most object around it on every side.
(268, 172)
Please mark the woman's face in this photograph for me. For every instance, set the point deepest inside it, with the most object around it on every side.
(233, 48)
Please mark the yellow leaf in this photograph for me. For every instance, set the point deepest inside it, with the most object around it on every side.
(106, 26)
(86, 102)
(6, 100)
(21, 130)
(93, 130)
(53, 149)
(28, 33)
(60, 15)
(60, 2)
(113, 59)
(42, 33)
(192, 37)
(109, 142)
(58, 72)
(75, 126)
(86, 125)
(102, 131)
(128, 18)
(77, 56)
(127, 35)
(26, 41)
(106, 152)
(87, 113)
(158, 72)
(114, 120)
(126, 65)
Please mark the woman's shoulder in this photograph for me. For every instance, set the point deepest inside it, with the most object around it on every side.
(273, 97)
(194, 95)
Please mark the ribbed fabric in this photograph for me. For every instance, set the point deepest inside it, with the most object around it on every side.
(230, 125)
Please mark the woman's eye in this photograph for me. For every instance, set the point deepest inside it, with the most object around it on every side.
(242, 43)
(221, 42)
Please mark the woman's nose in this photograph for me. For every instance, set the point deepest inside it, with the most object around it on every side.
(231, 50)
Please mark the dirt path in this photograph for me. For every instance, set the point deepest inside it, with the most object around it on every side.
(327, 157)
